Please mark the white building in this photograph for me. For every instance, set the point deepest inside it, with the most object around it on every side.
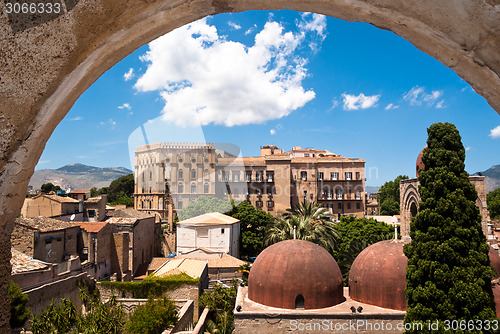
(214, 231)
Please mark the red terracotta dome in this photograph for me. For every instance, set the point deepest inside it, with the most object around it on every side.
(420, 164)
(295, 274)
(496, 296)
(495, 260)
(378, 275)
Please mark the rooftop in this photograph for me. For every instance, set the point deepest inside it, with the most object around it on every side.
(129, 213)
(94, 199)
(60, 199)
(191, 267)
(91, 227)
(44, 224)
(21, 262)
(209, 219)
(214, 259)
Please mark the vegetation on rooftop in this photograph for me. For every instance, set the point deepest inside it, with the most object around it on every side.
(151, 285)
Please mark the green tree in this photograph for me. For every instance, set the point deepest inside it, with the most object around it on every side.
(153, 317)
(354, 235)
(221, 302)
(120, 191)
(308, 221)
(19, 310)
(493, 200)
(449, 273)
(204, 204)
(56, 318)
(388, 196)
(48, 187)
(253, 224)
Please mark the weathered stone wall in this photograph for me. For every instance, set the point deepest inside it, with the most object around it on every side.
(23, 239)
(120, 254)
(47, 62)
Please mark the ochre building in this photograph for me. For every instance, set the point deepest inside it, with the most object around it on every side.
(168, 176)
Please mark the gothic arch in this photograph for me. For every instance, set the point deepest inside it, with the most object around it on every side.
(74, 49)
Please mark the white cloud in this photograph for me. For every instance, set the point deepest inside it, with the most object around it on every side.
(110, 122)
(201, 74)
(495, 133)
(391, 106)
(234, 25)
(361, 101)
(125, 106)
(417, 97)
(316, 24)
(129, 75)
(335, 103)
(272, 132)
(468, 148)
(251, 29)
(77, 118)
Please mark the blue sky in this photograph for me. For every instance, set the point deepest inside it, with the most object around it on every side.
(283, 78)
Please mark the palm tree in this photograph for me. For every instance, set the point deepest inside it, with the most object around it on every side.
(308, 221)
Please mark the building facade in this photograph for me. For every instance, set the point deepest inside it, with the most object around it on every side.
(168, 176)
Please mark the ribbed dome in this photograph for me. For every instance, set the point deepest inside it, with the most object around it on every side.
(420, 164)
(378, 275)
(295, 274)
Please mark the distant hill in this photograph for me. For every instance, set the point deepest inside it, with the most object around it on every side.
(492, 177)
(372, 189)
(78, 176)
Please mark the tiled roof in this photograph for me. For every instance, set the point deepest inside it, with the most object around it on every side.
(94, 199)
(129, 213)
(60, 199)
(191, 267)
(44, 224)
(157, 262)
(91, 227)
(21, 262)
(121, 220)
(207, 219)
(214, 259)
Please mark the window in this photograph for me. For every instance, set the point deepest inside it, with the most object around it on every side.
(348, 175)
(202, 233)
(150, 175)
(358, 206)
(236, 177)
(320, 176)
(270, 177)
(305, 195)
(259, 203)
(222, 231)
(180, 188)
(205, 188)
(258, 191)
(248, 176)
(91, 213)
(348, 206)
(179, 204)
(340, 206)
(303, 175)
(259, 176)
(329, 194)
(225, 177)
(299, 302)
(339, 194)
(193, 173)
(193, 188)
(306, 155)
(334, 175)
(358, 176)
(358, 195)
(180, 174)
(270, 204)
(205, 173)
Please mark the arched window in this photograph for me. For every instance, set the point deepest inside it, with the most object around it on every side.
(180, 188)
(180, 174)
(299, 302)
(205, 188)
(413, 209)
(193, 173)
(193, 188)
(205, 173)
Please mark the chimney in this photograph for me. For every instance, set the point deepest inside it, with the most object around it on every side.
(80, 205)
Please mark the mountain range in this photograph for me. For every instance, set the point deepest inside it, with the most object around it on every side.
(492, 175)
(78, 176)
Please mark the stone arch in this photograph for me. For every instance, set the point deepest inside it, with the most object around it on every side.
(73, 50)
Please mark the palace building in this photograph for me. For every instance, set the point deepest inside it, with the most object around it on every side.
(168, 176)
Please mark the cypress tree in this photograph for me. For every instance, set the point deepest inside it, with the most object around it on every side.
(449, 273)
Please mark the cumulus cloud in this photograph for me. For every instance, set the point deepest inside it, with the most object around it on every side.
(201, 74)
(125, 106)
(234, 25)
(391, 106)
(417, 96)
(495, 133)
(129, 75)
(361, 101)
